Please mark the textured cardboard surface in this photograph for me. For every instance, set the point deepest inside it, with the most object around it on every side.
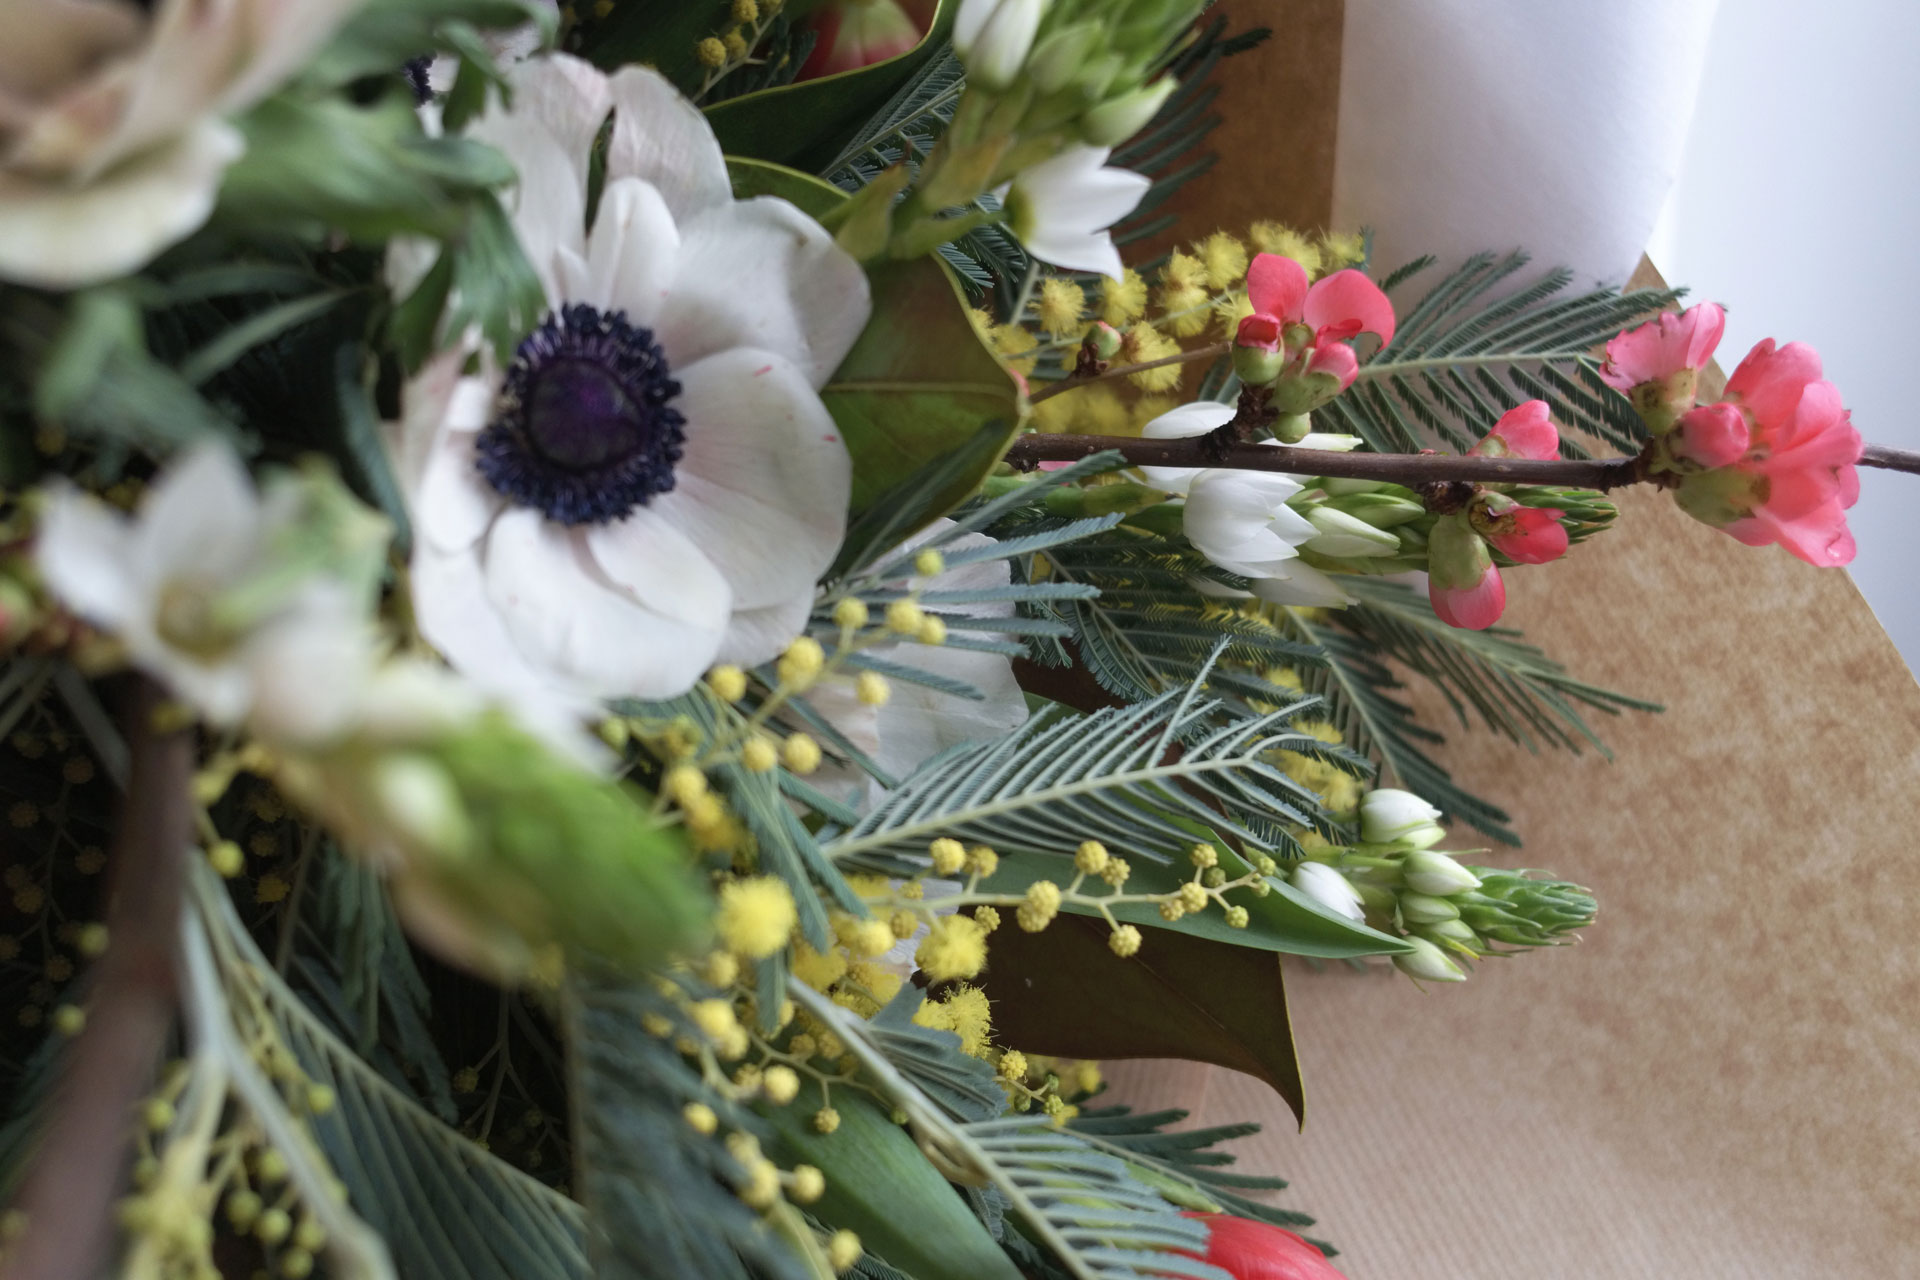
(1722, 1079)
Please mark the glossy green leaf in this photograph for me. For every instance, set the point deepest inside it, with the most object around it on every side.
(1063, 992)
(918, 383)
(1285, 920)
(805, 124)
(881, 1187)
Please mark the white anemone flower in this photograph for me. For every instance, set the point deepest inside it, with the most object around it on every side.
(161, 582)
(1240, 520)
(653, 485)
(1329, 888)
(1060, 209)
(993, 38)
(112, 141)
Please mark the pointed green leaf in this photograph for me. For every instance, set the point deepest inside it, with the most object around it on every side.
(881, 1187)
(1062, 991)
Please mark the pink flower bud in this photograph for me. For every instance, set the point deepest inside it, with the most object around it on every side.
(1663, 347)
(850, 34)
(1713, 435)
(1249, 1250)
(1462, 583)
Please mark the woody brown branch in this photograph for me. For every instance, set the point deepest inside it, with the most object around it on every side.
(1410, 469)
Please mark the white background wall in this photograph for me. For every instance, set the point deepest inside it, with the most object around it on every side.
(1798, 208)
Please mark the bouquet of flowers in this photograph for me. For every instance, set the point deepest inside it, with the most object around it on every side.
(635, 634)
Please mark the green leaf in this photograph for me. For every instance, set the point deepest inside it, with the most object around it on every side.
(881, 1186)
(1062, 991)
(381, 37)
(99, 379)
(312, 167)
(1283, 920)
(659, 1192)
(1186, 1156)
(918, 383)
(804, 124)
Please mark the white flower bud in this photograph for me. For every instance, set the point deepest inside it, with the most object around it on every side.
(1345, 535)
(1428, 962)
(1328, 888)
(1387, 815)
(1424, 908)
(1426, 871)
(1117, 119)
(993, 38)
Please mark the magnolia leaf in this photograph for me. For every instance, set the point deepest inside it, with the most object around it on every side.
(918, 383)
(1063, 992)
(805, 124)
(881, 1186)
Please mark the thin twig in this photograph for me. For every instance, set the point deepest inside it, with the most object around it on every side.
(1879, 455)
(1409, 469)
(1213, 352)
(69, 1192)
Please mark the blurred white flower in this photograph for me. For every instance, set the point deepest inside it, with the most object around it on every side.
(1388, 814)
(1060, 209)
(112, 142)
(993, 38)
(653, 485)
(166, 581)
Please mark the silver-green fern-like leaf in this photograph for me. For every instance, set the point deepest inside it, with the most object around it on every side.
(1063, 778)
(1458, 361)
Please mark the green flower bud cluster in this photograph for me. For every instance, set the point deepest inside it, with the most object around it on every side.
(1443, 906)
(500, 849)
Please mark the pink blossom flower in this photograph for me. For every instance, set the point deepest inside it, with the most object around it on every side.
(850, 34)
(1250, 1250)
(1781, 451)
(1286, 312)
(1524, 431)
(1473, 608)
(1663, 347)
(1530, 535)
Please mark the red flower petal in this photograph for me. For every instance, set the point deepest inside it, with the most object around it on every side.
(1250, 1250)
(1277, 287)
(1539, 537)
(1471, 608)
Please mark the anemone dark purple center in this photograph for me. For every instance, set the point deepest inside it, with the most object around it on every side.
(585, 431)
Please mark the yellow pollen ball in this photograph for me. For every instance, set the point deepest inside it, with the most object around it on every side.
(92, 940)
(1237, 917)
(759, 755)
(1123, 301)
(1204, 855)
(843, 1250)
(763, 1185)
(801, 663)
(1124, 941)
(714, 1018)
(933, 631)
(871, 938)
(988, 917)
(1013, 1065)
(904, 617)
(1090, 858)
(729, 683)
(272, 888)
(683, 784)
(948, 856)
(780, 1084)
(1115, 872)
(69, 1019)
(756, 916)
(871, 689)
(1225, 258)
(225, 857)
(1059, 307)
(809, 1184)
(711, 52)
(955, 947)
(850, 614)
(1192, 896)
(826, 1120)
(745, 11)
(929, 563)
(982, 861)
(800, 753)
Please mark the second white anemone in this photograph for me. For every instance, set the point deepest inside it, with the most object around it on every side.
(652, 485)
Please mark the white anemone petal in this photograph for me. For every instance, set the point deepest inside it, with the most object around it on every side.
(760, 273)
(764, 481)
(660, 137)
(566, 614)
